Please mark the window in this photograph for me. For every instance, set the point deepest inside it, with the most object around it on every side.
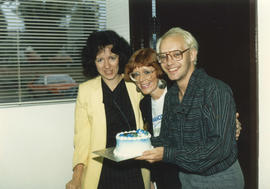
(40, 47)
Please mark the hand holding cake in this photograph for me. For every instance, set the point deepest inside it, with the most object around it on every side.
(153, 155)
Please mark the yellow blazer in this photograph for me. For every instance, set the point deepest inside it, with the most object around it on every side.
(90, 130)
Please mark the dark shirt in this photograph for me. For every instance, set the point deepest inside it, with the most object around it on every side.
(198, 134)
(119, 117)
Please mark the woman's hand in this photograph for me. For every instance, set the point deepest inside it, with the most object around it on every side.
(75, 182)
(238, 126)
(153, 155)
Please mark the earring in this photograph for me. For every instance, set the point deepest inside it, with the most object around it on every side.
(162, 84)
(138, 89)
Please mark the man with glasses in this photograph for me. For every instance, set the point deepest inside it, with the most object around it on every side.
(198, 124)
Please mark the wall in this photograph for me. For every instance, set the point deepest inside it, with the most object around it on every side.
(264, 92)
(118, 17)
(36, 146)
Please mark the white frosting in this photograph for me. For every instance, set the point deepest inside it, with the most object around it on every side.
(132, 146)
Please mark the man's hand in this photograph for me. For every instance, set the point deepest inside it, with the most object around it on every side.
(153, 155)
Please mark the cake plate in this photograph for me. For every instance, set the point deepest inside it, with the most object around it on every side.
(108, 153)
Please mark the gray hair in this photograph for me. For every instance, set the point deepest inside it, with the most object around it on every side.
(188, 37)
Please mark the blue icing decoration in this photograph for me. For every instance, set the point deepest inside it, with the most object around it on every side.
(138, 132)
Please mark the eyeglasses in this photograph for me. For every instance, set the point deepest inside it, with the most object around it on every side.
(135, 76)
(176, 55)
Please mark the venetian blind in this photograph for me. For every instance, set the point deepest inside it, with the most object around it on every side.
(40, 47)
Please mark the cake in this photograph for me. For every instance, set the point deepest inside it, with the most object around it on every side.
(132, 143)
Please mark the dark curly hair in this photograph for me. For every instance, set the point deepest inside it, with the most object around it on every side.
(99, 40)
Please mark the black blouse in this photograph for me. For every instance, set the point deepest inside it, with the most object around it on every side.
(119, 117)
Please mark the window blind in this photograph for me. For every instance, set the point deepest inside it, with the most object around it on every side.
(40, 47)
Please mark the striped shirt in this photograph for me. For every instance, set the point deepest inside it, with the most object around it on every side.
(198, 134)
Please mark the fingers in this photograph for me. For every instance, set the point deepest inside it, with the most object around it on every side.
(140, 158)
(149, 156)
(145, 156)
(73, 185)
(238, 131)
(237, 136)
(238, 124)
(153, 155)
(238, 127)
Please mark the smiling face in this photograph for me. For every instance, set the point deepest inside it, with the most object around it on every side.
(146, 79)
(178, 70)
(144, 70)
(107, 64)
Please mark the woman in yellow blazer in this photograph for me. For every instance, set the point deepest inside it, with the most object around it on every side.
(105, 105)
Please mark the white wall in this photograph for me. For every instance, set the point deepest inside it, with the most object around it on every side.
(36, 146)
(118, 17)
(264, 92)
